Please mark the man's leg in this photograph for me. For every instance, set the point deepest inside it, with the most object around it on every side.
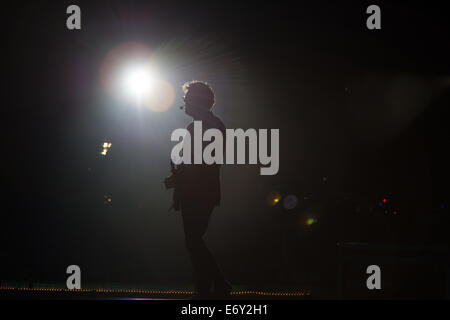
(206, 270)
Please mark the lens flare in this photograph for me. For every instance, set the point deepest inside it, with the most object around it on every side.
(161, 99)
(290, 202)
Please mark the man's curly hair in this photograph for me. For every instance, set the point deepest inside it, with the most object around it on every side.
(200, 92)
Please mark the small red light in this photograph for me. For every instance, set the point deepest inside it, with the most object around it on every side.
(384, 200)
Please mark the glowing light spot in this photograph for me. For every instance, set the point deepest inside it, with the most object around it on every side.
(311, 221)
(108, 199)
(274, 198)
(106, 147)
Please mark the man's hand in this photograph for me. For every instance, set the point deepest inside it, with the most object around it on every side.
(169, 182)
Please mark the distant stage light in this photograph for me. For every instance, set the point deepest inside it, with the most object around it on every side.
(106, 147)
(107, 199)
(311, 221)
(274, 198)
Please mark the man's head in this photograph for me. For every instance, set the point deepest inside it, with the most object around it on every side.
(198, 97)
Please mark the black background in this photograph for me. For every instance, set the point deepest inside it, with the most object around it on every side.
(367, 109)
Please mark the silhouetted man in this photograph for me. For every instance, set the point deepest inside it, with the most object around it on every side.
(197, 192)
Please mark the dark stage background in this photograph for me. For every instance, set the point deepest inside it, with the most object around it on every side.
(363, 116)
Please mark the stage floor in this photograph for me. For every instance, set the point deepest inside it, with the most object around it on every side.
(138, 294)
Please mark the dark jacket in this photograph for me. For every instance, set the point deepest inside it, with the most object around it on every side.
(200, 183)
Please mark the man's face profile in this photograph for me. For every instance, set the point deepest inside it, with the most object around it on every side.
(188, 104)
(194, 105)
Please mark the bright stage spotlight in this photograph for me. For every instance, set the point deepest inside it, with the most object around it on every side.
(130, 74)
(137, 82)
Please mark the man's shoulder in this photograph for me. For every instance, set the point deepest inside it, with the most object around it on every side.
(207, 123)
(190, 126)
(217, 123)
